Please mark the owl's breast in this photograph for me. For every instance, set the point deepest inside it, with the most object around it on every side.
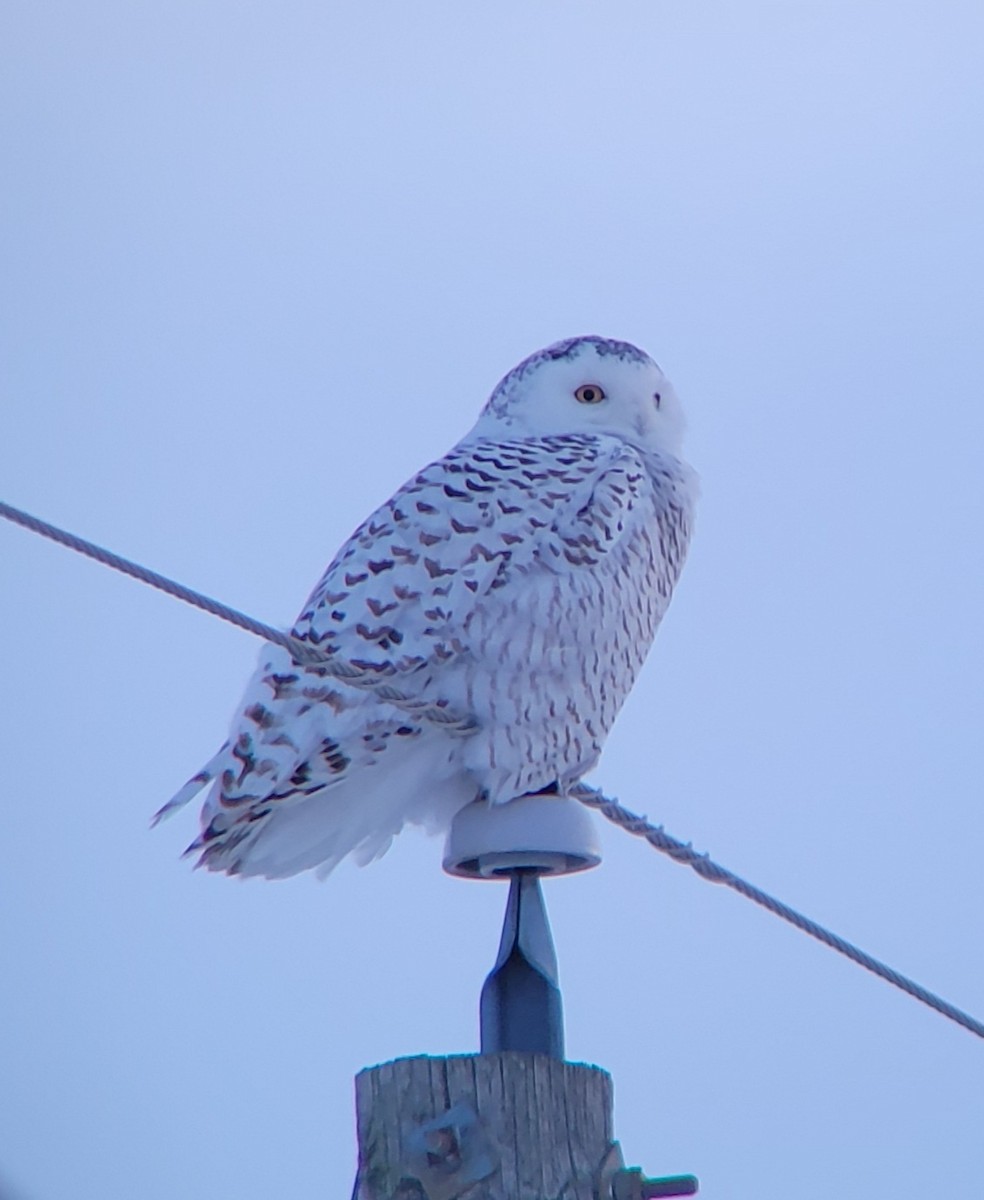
(551, 663)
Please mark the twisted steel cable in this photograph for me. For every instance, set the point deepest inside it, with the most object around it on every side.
(375, 679)
(371, 678)
(706, 868)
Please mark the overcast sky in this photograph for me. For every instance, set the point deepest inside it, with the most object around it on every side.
(262, 261)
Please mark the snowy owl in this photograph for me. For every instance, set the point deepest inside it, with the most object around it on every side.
(518, 580)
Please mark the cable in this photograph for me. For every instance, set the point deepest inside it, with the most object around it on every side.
(706, 868)
(439, 713)
(372, 678)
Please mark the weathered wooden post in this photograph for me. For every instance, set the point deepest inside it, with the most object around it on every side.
(515, 1122)
(494, 1126)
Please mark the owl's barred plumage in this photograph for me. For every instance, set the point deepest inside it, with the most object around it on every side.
(519, 579)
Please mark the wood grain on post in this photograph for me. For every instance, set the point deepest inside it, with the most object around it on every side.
(495, 1126)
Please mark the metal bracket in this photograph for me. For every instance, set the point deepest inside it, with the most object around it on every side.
(445, 1157)
(521, 1007)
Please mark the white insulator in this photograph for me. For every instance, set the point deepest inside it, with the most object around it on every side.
(553, 835)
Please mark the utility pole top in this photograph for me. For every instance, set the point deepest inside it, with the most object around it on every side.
(515, 1122)
(494, 1126)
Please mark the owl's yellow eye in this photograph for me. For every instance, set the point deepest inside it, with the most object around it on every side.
(589, 393)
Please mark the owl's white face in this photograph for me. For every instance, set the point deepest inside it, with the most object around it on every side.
(587, 385)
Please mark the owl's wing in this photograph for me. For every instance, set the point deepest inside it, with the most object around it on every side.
(400, 590)
(593, 516)
(400, 594)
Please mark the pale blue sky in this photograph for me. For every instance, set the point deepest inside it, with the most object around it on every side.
(260, 262)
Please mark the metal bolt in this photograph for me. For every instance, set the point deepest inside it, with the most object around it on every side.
(629, 1183)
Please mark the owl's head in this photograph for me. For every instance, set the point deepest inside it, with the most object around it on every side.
(587, 385)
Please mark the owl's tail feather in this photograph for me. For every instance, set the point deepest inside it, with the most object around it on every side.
(192, 787)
